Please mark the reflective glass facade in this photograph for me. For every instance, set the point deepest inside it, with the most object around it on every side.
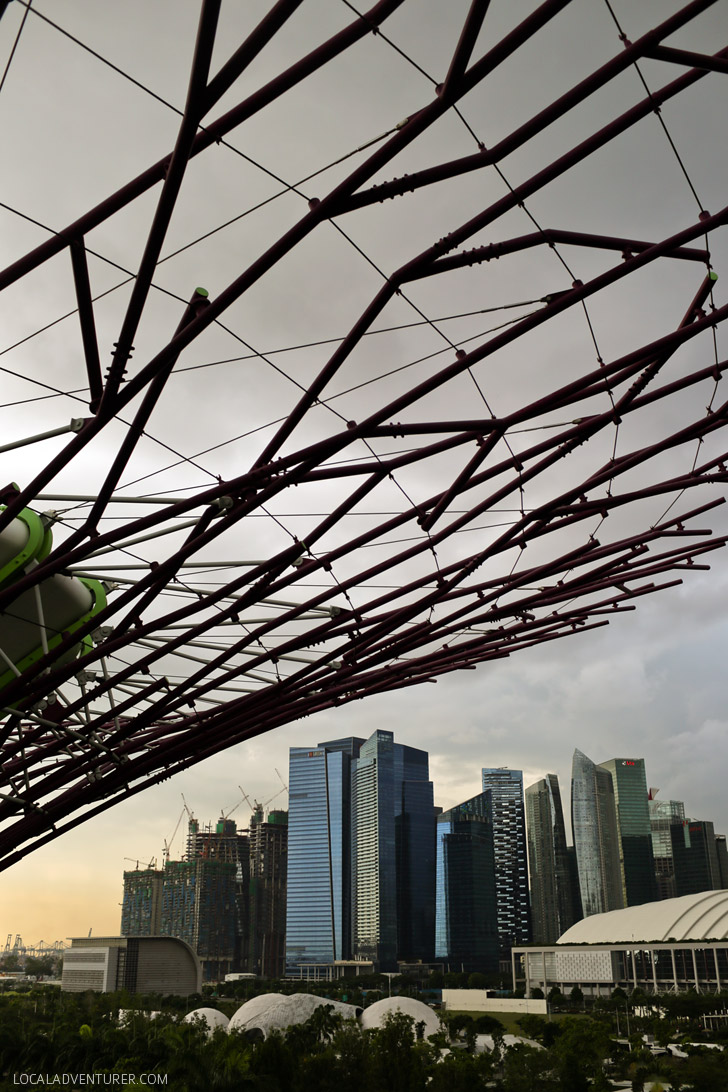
(393, 855)
(551, 894)
(636, 859)
(466, 932)
(696, 857)
(596, 839)
(318, 913)
(511, 871)
(664, 814)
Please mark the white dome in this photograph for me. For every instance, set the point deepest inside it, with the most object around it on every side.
(487, 1042)
(376, 1014)
(279, 1011)
(213, 1018)
(253, 1008)
(690, 917)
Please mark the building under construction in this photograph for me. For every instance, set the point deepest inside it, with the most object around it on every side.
(267, 904)
(141, 910)
(226, 900)
(198, 906)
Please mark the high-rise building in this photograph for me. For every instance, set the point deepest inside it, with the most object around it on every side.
(636, 860)
(664, 815)
(198, 906)
(319, 885)
(227, 844)
(548, 862)
(722, 854)
(466, 931)
(393, 855)
(696, 857)
(511, 870)
(141, 909)
(267, 900)
(596, 838)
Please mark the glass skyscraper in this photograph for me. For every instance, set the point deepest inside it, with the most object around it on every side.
(319, 885)
(696, 857)
(511, 871)
(393, 852)
(596, 839)
(664, 815)
(636, 859)
(551, 894)
(466, 932)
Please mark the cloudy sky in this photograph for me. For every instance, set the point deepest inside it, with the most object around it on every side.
(651, 684)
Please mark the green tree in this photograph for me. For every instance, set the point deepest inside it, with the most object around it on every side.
(527, 1068)
(580, 1049)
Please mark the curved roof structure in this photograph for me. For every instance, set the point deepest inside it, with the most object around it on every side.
(376, 1014)
(276, 1011)
(211, 1018)
(690, 917)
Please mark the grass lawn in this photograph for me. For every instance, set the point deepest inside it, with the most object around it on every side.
(509, 1020)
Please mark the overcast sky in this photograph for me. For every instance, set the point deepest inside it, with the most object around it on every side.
(651, 684)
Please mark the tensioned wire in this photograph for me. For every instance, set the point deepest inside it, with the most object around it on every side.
(450, 343)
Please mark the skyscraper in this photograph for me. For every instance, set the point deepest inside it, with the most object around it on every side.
(636, 860)
(696, 857)
(267, 901)
(393, 855)
(596, 839)
(664, 815)
(319, 888)
(548, 862)
(511, 871)
(229, 845)
(198, 905)
(721, 851)
(466, 932)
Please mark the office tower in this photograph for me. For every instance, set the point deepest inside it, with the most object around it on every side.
(466, 931)
(511, 872)
(696, 859)
(722, 855)
(596, 839)
(198, 906)
(267, 899)
(393, 855)
(319, 884)
(636, 860)
(548, 863)
(141, 909)
(664, 815)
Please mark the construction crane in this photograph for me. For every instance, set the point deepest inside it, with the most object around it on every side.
(186, 807)
(168, 844)
(277, 794)
(7, 942)
(152, 863)
(235, 808)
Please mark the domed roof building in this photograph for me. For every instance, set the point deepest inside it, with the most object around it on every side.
(211, 1018)
(689, 917)
(375, 1016)
(676, 944)
(276, 1012)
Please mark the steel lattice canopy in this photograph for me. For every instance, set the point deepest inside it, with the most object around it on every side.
(452, 388)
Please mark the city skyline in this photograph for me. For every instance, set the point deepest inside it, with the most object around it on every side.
(75, 882)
